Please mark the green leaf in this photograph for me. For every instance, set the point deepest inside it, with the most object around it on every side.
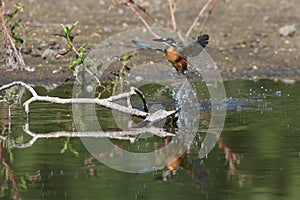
(18, 5)
(11, 157)
(74, 25)
(65, 28)
(125, 57)
(241, 183)
(23, 183)
(75, 63)
(65, 147)
(59, 35)
(82, 48)
(73, 150)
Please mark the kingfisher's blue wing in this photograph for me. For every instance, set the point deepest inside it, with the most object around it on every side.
(191, 50)
(147, 46)
(194, 48)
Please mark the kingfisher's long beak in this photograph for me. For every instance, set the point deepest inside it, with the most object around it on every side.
(166, 41)
(159, 39)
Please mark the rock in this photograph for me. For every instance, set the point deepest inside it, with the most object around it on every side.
(288, 81)
(30, 69)
(287, 30)
(56, 71)
(107, 29)
(49, 54)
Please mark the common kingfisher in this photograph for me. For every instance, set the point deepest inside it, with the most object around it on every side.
(176, 55)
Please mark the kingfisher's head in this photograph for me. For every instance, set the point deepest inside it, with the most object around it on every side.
(167, 41)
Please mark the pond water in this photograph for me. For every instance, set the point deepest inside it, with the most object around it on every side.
(257, 156)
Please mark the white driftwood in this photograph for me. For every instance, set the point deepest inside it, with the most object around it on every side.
(146, 126)
(131, 135)
(108, 103)
(158, 117)
(19, 83)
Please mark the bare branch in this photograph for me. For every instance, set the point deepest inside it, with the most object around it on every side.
(213, 6)
(198, 17)
(95, 77)
(16, 53)
(19, 83)
(172, 12)
(138, 14)
(159, 116)
(145, 126)
(100, 102)
(123, 95)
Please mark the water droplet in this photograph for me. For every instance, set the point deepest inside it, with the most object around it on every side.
(278, 93)
(89, 89)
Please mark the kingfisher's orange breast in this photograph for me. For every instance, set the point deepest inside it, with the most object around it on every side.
(176, 59)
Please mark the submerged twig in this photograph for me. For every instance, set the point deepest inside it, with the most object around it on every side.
(138, 92)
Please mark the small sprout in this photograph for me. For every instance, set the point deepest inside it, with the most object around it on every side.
(79, 58)
(68, 146)
(14, 25)
(9, 97)
(23, 183)
(125, 57)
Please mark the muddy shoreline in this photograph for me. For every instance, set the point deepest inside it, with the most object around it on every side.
(245, 41)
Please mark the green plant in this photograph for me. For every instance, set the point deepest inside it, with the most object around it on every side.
(124, 71)
(12, 31)
(9, 97)
(68, 146)
(79, 62)
(15, 26)
(79, 52)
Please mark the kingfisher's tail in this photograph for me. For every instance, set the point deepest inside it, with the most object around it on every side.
(203, 40)
(194, 48)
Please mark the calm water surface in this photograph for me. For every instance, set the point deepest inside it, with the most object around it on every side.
(257, 156)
